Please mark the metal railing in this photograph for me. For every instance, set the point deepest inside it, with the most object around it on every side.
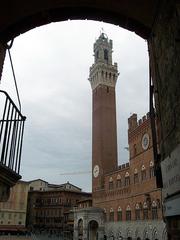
(11, 133)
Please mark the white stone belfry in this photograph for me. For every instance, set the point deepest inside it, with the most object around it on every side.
(103, 71)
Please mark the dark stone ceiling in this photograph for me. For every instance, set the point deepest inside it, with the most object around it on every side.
(19, 16)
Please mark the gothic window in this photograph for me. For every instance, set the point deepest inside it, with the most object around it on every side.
(119, 214)
(127, 179)
(154, 213)
(105, 54)
(143, 173)
(128, 213)
(111, 186)
(118, 181)
(145, 211)
(137, 212)
(136, 178)
(111, 215)
(154, 210)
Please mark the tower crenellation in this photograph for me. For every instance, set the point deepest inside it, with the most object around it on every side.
(133, 122)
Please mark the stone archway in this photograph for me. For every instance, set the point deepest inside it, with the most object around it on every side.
(93, 230)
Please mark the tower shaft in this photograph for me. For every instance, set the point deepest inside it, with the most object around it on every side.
(104, 140)
(103, 76)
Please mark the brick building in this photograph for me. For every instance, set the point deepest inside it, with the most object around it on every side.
(126, 201)
(49, 207)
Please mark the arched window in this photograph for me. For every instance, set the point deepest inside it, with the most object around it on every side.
(136, 177)
(143, 173)
(145, 211)
(119, 214)
(111, 215)
(154, 210)
(128, 213)
(151, 169)
(137, 212)
(118, 181)
(111, 186)
(127, 179)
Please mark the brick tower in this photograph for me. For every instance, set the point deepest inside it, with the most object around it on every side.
(103, 76)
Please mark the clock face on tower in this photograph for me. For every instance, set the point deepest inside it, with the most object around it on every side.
(145, 141)
(96, 171)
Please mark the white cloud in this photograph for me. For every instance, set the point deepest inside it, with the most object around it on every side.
(52, 67)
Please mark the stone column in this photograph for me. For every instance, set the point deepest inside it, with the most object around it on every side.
(2, 57)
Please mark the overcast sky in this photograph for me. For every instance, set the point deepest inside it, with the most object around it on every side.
(52, 68)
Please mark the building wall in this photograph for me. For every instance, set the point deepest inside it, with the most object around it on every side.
(47, 210)
(13, 212)
(38, 185)
(132, 188)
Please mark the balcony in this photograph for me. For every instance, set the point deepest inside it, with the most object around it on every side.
(11, 138)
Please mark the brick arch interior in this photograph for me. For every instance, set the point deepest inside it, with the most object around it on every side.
(135, 16)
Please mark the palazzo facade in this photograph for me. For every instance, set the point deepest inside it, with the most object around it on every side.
(127, 203)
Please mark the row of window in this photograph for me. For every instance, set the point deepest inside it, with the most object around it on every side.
(49, 220)
(143, 214)
(9, 222)
(137, 178)
(49, 212)
(11, 215)
(55, 201)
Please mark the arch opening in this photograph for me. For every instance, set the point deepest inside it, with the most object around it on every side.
(93, 230)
